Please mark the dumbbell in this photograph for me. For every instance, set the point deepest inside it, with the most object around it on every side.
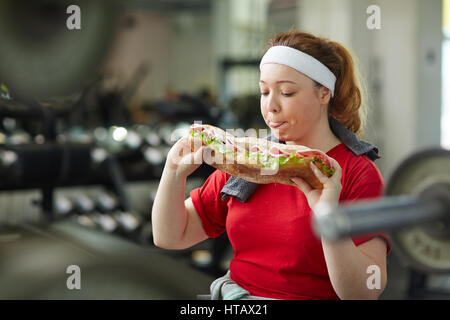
(7, 158)
(85, 208)
(18, 137)
(63, 206)
(165, 131)
(108, 205)
(102, 216)
(153, 139)
(149, 136)
(133, 140)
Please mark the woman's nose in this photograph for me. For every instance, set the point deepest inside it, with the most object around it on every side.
(273, 104)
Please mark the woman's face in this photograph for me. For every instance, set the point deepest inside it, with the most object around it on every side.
(291, 104)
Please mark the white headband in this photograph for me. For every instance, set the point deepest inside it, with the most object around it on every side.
(302, 62)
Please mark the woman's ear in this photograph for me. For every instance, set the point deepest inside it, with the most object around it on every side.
(324, 95)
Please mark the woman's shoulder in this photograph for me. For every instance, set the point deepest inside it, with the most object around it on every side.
(357, 168)
(209, 192)
(216, 180)
(221, 176)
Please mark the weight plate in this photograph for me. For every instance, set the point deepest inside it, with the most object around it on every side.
(424, 247)
(40, 57)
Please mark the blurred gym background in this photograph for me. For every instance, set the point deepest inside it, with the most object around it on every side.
(87, 116)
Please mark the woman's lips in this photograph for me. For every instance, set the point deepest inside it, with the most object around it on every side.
(275, 124)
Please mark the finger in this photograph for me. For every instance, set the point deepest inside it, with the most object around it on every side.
(194, 144)
(334, 164)
(302, 184)
(336, 168)
(192, 157)
(198, 155)
(182, 146)
(318, 173)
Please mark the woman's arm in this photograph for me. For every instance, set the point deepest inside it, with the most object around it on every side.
(175, 223)
(350, 267)
(347, 264)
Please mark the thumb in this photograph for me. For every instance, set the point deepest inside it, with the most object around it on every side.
(302, 184)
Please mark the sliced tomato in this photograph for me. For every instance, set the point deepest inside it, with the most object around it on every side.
(197, 129)
(316, 154)
(325, 160)
(210, 132)
(254, 149)
(231, 144)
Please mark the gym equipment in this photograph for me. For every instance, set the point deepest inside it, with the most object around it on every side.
(415, 212)
(226, 65)
(40, 57)
(185, 107)
(133, 140)
(201, 258)
(63, 206)
(212, 260)
(83, 203)
(35, 262)
(84, 208)
(152, 138)
(105, 221)
(128, 221)
(45, 68)
(109, 206)
(113, 103)
(106, 202)
(7, 158)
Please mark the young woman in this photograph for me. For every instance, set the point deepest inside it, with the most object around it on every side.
(306, 83)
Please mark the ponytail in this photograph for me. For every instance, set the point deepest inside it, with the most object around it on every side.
(347, 104)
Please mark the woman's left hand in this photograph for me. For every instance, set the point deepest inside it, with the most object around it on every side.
(331, 186)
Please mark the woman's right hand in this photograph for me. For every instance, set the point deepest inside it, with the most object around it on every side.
(181, 159)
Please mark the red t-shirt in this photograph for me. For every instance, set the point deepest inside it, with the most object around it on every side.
(276, 253)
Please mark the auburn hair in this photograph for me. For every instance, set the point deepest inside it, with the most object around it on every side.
(346, 105)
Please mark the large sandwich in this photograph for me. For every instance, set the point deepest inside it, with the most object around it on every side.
(258, 160)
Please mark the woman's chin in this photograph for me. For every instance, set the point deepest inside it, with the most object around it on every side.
(279, 135)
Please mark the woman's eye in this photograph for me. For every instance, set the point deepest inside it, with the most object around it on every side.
(282, 93)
